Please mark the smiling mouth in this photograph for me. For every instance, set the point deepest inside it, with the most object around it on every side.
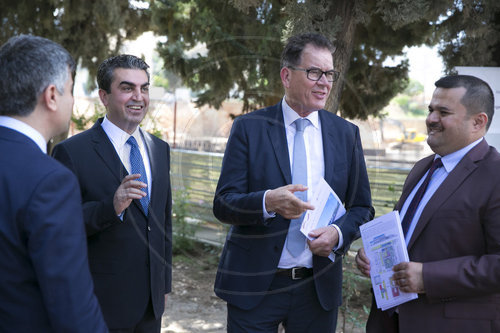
(319, 93)
(135, 107)
(433, 128)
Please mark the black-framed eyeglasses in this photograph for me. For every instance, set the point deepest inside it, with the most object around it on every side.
(315, 74)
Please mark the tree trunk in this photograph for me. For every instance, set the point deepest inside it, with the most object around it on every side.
(344, 45)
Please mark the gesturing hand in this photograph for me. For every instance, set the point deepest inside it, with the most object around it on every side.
(283, 201)
(129, 189)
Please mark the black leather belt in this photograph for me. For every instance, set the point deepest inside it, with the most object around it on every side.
(295, 273)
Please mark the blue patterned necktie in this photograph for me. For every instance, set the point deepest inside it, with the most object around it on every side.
(137, 166)
(296, 241)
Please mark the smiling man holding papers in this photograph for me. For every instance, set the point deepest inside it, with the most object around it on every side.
(269, 272)
(453, 226)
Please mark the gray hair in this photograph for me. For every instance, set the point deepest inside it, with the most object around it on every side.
(28, 65)
(107, 67)
(292, 53)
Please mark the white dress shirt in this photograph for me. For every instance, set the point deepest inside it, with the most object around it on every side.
(25, 129)
(118, 138)
(450, 161)
(313, 141)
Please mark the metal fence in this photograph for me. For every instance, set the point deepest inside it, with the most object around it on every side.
(197, 173)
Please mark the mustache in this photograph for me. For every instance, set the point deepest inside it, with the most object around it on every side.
(434, 126)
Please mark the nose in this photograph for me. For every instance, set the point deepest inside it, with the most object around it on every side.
(322, 80)
(137, 95)
(432, 117)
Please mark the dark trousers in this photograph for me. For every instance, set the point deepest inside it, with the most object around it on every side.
(148, 323)
(293, 303)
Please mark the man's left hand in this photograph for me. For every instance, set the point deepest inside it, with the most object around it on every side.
(408, 277)
(326, 238)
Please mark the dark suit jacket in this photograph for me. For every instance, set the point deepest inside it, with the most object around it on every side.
(257, 159)
(458, 240)
(45, 284)
(130, 260)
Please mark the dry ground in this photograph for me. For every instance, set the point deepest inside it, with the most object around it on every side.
(192, 307)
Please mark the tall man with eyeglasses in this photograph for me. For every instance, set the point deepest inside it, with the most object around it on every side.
(275, 157)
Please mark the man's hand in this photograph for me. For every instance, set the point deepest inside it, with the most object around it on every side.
(284, 202)
(363, 262)
(408, 277)
(326, 238)
(129, 189)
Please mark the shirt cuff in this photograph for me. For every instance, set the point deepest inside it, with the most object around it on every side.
(341, 238)
(266, 214)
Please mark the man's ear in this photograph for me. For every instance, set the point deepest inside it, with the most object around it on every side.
(285, 76)
(480, 121)
(103, 96)
(49, 97)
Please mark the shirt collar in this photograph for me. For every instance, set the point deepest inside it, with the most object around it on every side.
(23, 128)
(450, 161)
(118, 136)
(289, 115)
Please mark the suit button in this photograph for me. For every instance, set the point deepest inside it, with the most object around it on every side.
(149, 228)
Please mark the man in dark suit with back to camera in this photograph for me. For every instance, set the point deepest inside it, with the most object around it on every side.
(45, 283)
(123, 173)
(452, 225)
(268, 273)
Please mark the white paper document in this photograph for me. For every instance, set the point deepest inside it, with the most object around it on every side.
(385, 246)
(327, 209)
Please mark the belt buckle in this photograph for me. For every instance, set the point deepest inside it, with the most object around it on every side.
(294, 270)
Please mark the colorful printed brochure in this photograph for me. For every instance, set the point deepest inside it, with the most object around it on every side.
(385, 246)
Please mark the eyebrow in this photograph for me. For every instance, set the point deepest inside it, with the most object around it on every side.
(133, 84)
(314, 67)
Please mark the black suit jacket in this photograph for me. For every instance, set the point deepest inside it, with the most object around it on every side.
(45, 283)
(130, 260)
(257, 159)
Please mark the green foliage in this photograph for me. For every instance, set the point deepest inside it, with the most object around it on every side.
(221, 53)
(355, 295)
(239, 58)
(410, 100)
(469, 34)
(90, 30)
(83, 121)
(183, 231)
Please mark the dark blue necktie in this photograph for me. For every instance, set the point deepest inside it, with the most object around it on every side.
(137, 166)
(296, 241)
(412, 208)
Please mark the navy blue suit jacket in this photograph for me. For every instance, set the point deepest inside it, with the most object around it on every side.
(130, 260)
(257, 159)
(45, 284)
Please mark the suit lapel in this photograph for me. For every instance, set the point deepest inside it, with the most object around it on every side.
(152, 155)
(413, 178)
(105, 150)
(450, 185)
(277, 134)
(330, 145)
